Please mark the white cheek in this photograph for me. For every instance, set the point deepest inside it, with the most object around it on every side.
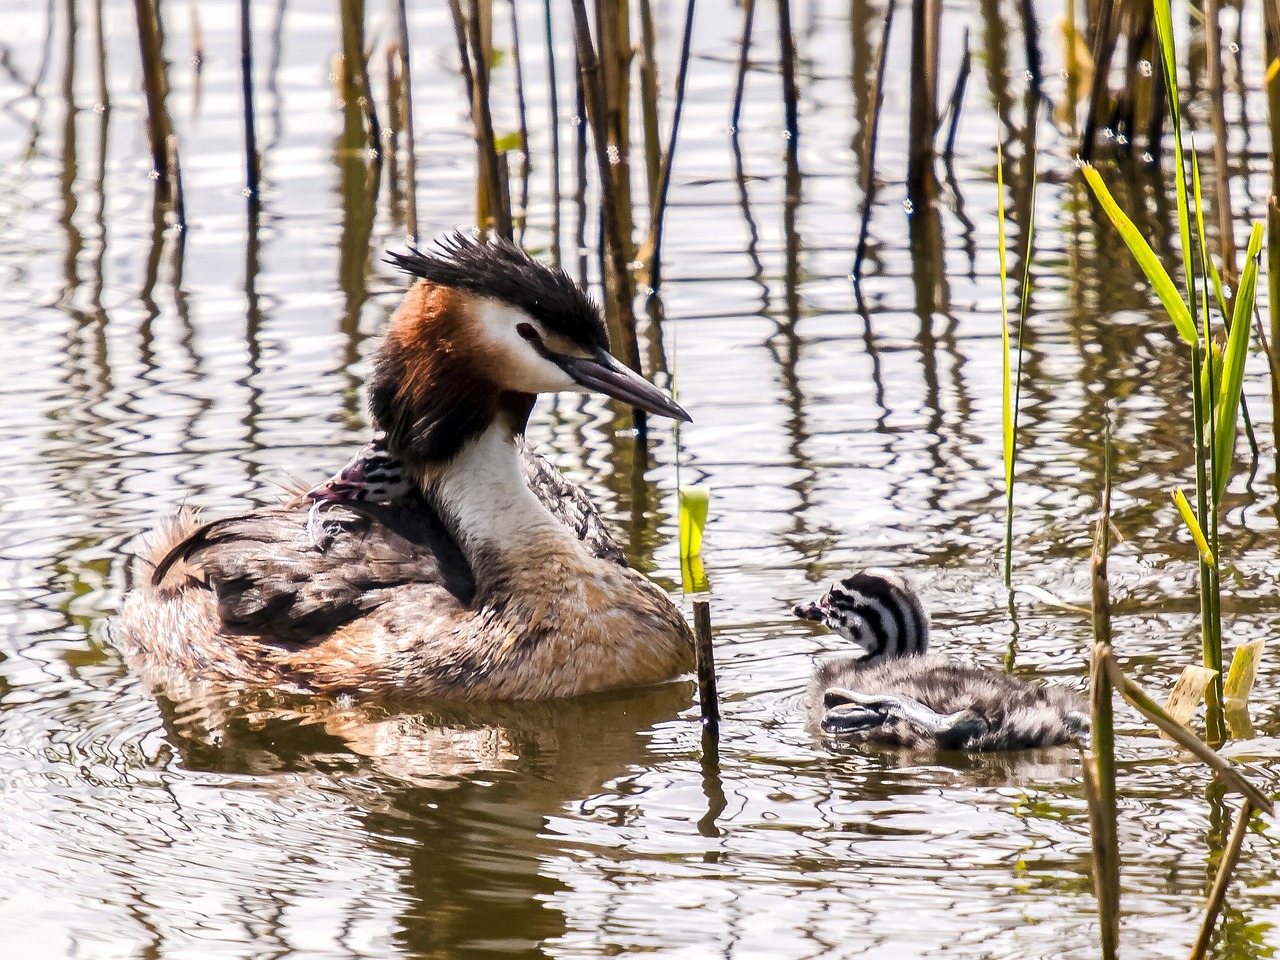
(523, 368)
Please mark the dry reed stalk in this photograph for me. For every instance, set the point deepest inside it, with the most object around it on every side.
(926, 23)
(522, 119)
(356, 86)
(956, 101)
(179, 194)
(251, 161)
(1104, 42)
(1031, 42)
(1218, 123)
(155, 85)
(869, 147)
(495, 200)
(553, 107)
(406, 114)
(787, 56)
(744, 62)
(619, 303)
(649, 99)
(614, 53)
(708, 701)
(652, 255)
(100, 46)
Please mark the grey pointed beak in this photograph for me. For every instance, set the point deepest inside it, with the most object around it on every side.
(605, 374)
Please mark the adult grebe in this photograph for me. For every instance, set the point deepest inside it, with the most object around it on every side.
(895, 695)
(469, 588)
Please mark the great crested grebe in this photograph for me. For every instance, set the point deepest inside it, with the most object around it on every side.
(894, 694)
(466, 586)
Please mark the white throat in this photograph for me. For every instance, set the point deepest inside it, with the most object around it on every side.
(484, 493)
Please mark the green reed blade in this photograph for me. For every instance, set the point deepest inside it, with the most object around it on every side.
(1208, 272)
(1006, 391)
(1155, 272)
(1230, 389)
(1193, 525)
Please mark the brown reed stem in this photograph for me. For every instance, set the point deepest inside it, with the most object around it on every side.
(616, 246)
(744, 62)
(499, 211)
(251, 164)
(658, 209)
(1104, 42)
(869, 147)
(787, 55)
(523, 119)
(155, 86)
(708, 701)
(179, 195)
(1218, 123)
(926, 22)
(553, 108)
(406, 112)
(956, 101)
(649, 101)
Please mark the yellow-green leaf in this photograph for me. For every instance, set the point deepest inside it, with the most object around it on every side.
(1193, 525)
(506, 142)
(693, 518)
(1155, 272)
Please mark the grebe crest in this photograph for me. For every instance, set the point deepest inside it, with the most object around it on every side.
(894, 694)
(483, 577)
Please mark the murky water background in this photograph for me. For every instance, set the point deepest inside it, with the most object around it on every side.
(143, 370)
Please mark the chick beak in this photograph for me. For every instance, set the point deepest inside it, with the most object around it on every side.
(604, 374)
(814, 611)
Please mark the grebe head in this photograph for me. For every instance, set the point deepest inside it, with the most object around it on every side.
(876, 609)
(486, 329)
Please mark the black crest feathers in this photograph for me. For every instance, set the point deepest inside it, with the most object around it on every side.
(503, 271)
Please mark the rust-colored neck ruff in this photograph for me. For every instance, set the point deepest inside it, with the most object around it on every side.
(429, 390)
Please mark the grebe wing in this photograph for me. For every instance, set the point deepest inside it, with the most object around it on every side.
(298, 575)
(569, 504)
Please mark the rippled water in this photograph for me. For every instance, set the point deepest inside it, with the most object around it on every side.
(145, 370)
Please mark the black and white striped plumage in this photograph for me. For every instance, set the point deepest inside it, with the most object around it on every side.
(375, 475)
(896, 694)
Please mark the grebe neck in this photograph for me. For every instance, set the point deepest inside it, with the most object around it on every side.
(485, 500)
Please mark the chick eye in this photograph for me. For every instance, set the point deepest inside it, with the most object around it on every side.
(527, 331)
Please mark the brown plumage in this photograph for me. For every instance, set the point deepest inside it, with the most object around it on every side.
(470, 588)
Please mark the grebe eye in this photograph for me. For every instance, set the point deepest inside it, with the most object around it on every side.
(527, 331)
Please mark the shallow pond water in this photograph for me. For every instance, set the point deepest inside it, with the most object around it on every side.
(147, 369)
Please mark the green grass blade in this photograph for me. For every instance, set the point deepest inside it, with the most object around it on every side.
(1169, 73)
(1155, 272)
(1193, 525)
(1227, 412)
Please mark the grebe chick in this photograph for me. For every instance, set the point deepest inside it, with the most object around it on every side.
(466, 587)
(895, 694)
(374, 475)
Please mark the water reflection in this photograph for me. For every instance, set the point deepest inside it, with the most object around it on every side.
(456, 796)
